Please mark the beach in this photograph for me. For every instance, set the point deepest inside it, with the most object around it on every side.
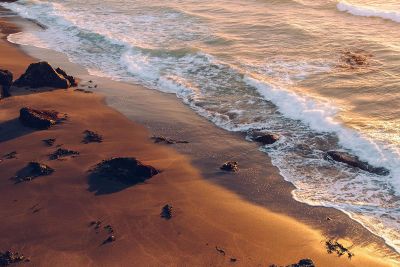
(248, 218)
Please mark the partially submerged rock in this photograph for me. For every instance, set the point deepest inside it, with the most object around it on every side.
(39, 119)
(42, 74)
(166, 212)
(264, 138)
(92, 137)
(355, 59)
(32, 171)
(8, 257)
(62, 152)
(6, 79)
(354, 161)
(231, 166)
(166, 140)
(127, 171)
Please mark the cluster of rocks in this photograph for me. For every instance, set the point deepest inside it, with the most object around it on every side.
(39, 119)
(230, 166)
(337, 248)
(127, 171)
(9, 257)
(40, 74)
(108, 228)
(32, 171)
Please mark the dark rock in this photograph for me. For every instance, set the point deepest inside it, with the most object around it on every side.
(50, 141)
(303, 263)
(9, 257)
(92, 137)
(166, 212)
(166, 140)
(110, 239)
(6, 79)
(39, 119)
(264, 138)
(231, 166)
(83, 91)
(128, 171)
(11, 155)
(62, 152)
(70, 78)
(354, 161)
(42, 74)
(233, 260)
(32, 171)
(109, 229)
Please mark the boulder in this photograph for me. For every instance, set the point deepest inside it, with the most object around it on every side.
(9, 257)
(42, 74)
(32, 171)
(92, 137)
(39, 119)
(231, 166)
(6, 79)
(70, 78)
(264, 138)
(354, 161)
(127, 171)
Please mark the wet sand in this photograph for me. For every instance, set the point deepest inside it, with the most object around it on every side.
(249, 215)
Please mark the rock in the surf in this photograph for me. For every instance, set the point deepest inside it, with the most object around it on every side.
(230, 166)
(39, 119)
(354, 161)
(264, 138)
(6, 79)
(42, 74)
(128, 171)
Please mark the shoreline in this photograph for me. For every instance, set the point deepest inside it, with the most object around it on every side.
(210, 146)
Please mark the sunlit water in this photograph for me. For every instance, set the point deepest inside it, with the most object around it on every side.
(258, 64)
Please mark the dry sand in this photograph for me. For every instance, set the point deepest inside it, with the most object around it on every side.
(48, 219)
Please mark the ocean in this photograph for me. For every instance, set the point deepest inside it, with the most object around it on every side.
(323, 74)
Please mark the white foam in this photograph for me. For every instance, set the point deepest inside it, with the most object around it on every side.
(368, 11)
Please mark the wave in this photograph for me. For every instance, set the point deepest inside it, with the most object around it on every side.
(368, 11)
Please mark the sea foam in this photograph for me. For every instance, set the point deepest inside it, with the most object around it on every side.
(368, 11)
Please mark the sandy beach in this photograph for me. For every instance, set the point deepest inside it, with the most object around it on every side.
(248, 218)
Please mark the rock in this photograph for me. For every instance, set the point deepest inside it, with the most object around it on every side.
(166, 140)
(110, 239)
(42, 74)
(303, 263)
(39, 119)
(354, 161)
(109, 229)
(9, 257)
(32, 171)
(83, 91)
(220, 250)
(92, 137)
(128, 171)
(11, 155)
(233, 260)
(166, 212)
(70, 78)
(62, 152)
(6, 79)
(231, 166)
(264, 138)
(50, 141)
(337, 248)
(355, 59)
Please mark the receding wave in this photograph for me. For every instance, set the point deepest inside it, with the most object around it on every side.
(368, 11)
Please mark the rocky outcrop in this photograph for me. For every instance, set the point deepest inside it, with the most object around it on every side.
(42, 74)
(6, 79)
(39, 119)
(230, 166)
(127, 171)
(354, 161)
(32, 171)
(264, 138)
